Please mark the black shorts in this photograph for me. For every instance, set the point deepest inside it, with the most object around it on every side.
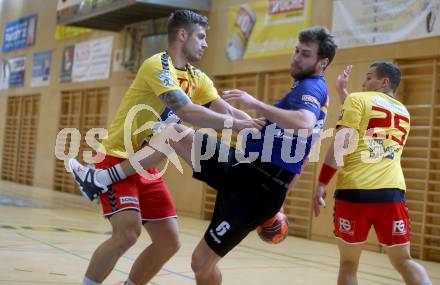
(247, 195)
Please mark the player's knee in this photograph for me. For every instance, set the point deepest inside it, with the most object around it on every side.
(199, 265)
(400, 257)
(349, 266)
(174, 245)
(170, 245)
(127, 237)
(400, 264)
(172, 248)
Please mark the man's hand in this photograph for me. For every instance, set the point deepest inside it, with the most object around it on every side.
(243, 98)
(239, 125)
(342, 83)
(318, 199)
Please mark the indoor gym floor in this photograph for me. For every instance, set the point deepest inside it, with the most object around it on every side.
(47, 237)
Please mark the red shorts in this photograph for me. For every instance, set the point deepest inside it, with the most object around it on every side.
(151, 197)
(352, 221)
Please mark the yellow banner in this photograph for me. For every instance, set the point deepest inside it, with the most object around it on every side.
(63, 32)
(266, 28)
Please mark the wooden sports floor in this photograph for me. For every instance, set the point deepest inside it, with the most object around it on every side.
(48, 237)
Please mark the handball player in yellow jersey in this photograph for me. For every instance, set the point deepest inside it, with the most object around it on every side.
(370, 189)
(161, 81)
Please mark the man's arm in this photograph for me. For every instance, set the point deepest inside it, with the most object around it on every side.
(331, 166)
(221, 106)
(342, 83)
(200, 116)
(285, 119)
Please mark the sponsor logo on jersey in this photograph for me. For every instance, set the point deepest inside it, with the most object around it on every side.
(166, 78)
(341, 115)
(309, 99)
(345, 226)
(211, 232)
(186, 85)
(389, 105)
(197, 72)
(221, 229)
(128, 200)
(399, 228)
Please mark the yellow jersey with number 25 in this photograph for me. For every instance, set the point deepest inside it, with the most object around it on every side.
(382, 125)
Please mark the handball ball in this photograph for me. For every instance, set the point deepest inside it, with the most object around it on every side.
(275, 229)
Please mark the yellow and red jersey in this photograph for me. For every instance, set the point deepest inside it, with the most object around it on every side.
(382, 125)
(141, 106)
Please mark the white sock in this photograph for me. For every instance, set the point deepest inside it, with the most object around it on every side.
(87, 281)
(129, 282)
(110, 175)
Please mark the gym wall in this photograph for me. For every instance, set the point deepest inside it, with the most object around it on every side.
(52, 106)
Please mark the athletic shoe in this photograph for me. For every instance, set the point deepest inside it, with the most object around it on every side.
(90, 188)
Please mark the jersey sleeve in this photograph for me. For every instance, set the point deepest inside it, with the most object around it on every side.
(159, 75)
(206, 92)
(312, 99)
(351, 114)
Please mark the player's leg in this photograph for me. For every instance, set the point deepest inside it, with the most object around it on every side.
(227, 229)
(165, 243)
(349, 255)
(393, 231)
(412, 272)
(173, 141)
(204, 264)
(238, 210)
(126, 228)
(160, 221)
(120, 205)
(352, 223)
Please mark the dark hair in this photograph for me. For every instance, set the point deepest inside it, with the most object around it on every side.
(185, 19)
(320, 35)
(390, 70)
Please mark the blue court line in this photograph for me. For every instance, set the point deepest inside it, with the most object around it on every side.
(88, 259)
(294, 259)
(85, 258)
(33, 282)
(189, 277)
(69, 252)
(56, 247)
(178, 273)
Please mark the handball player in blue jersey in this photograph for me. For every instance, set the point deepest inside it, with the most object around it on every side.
(251, 185)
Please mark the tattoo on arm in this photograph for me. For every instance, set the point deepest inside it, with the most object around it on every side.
(175, 99)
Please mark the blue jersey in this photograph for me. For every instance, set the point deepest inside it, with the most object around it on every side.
(283, 148)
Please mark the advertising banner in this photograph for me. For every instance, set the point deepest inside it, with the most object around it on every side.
(67, 64)
(266, 28)
(63, 5)
(20, 33)
(92, 60)
(359, 22)
(41, 68)
(64, 32)
(16, 77)
(5, 73)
